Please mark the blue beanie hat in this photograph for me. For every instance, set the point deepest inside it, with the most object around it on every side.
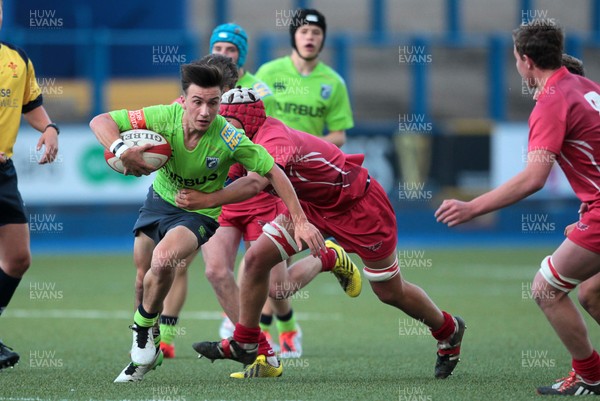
(231, 33)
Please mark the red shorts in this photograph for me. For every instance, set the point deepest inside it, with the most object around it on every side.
(586, 233)
(368, 228)
(251, 220)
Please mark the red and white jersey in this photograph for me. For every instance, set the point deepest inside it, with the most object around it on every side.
(566, 122)
(319, 171)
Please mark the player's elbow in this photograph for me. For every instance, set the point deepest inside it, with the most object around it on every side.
(254, 186)
(99, 120)
(536, 184)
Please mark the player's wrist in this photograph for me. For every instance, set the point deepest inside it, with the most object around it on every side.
(52, 125)
(118, 147)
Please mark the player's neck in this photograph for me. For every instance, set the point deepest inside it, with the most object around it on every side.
(541, 78)
(303, 66)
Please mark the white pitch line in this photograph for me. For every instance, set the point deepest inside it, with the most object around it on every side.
(95, 314)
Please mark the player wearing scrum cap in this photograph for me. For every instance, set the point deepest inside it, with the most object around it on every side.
(342, 201)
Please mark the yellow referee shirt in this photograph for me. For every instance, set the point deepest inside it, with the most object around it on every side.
(19, 93)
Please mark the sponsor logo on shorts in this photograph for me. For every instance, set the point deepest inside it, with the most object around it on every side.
(581, 226)
(375, 247)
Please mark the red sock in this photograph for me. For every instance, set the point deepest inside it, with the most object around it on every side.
(246, 335)
(263, 346)
(446, 330)
(588, 368)
(328, 257)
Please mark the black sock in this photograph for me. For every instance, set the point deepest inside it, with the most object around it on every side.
(8, 285)
(286, 317)
(266, 319)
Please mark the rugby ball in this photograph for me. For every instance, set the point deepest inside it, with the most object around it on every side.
(157, 156)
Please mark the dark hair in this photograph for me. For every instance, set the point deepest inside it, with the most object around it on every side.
(202, 74)
(227, 67)
(542, 41)
(573, 64)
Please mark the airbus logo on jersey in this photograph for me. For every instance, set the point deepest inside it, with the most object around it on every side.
(190, 182)
(326, 91)
(212, 162)
(301, 109)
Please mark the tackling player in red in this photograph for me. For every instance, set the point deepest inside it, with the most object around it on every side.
(342, 201)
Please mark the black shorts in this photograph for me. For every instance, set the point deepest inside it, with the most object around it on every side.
(12, 209)
(158, 216)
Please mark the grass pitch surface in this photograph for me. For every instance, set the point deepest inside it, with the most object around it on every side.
(69, 322)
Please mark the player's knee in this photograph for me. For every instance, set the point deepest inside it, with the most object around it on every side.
(385, 274)
(589, 297)
(549, 273)
(17, 264)
(217, 273)
(549, 285)
(252, 262)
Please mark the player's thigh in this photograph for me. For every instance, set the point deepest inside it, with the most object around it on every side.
(221, 250)
(273, 246)
(380, 264)
(177, 244)
(278, 272)
(575, 262)
(15, 256)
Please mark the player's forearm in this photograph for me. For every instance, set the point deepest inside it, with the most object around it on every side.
(38, 118)
(338, 138)
(238, 191)
(519, 187)
(105, 129)
(286, 192)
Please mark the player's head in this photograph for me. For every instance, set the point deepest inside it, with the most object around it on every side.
(541, 41)
(227, 67)
(202, 85)
(573, 64)
(230, 40)
(244, 109)
(308, 29)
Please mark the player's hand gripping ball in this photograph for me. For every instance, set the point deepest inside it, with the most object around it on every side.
(157, 156)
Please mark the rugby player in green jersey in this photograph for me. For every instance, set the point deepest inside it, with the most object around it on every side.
(309, 95)
(231, 40)
(169, 227)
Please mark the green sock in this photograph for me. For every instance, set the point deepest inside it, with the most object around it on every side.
(287, 322)
(144, 321)
(157, 340)
(167, 331)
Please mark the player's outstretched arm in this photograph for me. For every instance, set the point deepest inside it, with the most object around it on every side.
(527, 182)
(303, 230)
(107, 132)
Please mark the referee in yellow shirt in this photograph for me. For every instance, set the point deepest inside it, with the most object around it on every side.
(19, 94)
